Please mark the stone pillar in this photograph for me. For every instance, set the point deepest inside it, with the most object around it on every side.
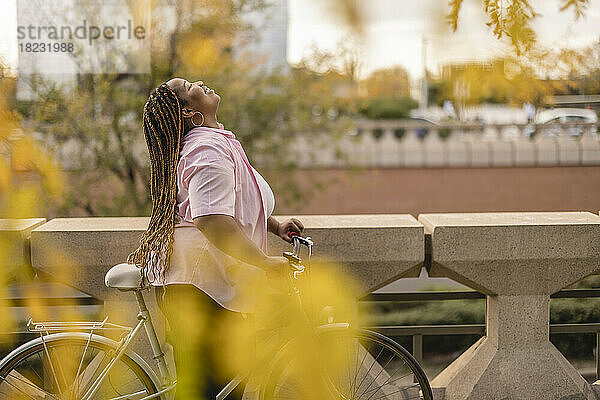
(14, 242)
(517, 260)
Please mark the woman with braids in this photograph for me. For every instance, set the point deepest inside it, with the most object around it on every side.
(205, 246)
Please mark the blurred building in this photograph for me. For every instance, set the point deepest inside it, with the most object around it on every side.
(47, 64)
(63, 39)
(270, 44)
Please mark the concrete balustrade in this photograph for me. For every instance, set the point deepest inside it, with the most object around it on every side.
(413, 151)
(466, 146)
(375, 249)
(457, 151)
(524, 152)
(481, 153)
(590, 151)
(435, 151)
(517, 260)
(569, 152)
(390, 150)
(15, 246)
(502, 154)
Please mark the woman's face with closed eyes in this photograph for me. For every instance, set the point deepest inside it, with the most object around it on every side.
(196, 96)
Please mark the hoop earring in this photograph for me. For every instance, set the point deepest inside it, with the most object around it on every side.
(192, 119)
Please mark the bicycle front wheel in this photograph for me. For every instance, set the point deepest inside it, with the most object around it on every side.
(352, 364)
(66, 366)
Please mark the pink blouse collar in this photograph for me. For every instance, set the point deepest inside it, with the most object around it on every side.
(220, 130)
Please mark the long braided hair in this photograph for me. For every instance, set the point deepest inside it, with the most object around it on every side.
(163, 129)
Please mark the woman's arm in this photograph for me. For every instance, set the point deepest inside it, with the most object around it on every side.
(284, 228)
(225, 233)
(272, 225)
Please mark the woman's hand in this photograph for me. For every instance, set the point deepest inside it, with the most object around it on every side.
(288, 226)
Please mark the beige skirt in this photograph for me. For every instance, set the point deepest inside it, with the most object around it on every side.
(235, 285)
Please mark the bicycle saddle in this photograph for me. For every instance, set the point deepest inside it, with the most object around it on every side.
(124, 277)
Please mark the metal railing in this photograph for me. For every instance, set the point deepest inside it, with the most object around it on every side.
(418, 331)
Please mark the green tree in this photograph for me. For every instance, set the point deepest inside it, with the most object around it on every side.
(388, 107)
(387, 82)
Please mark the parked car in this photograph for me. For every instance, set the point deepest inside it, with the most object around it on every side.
(556, 116)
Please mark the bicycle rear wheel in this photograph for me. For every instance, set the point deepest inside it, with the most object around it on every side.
(352, 364)
(65, 367)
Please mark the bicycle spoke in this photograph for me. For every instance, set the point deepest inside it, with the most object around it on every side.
(398, 391)
(125, 384)
(83, 380)
(142, 393)
(369, 370)
(390, 383)
(348, 365)
(34, 369)
(382, 369)
(355, 389)
(286, 389)
(52, 370)
(87, 344)
(58, 366)
(353, 384)
(355, 369)
(57, 370)
(19, 382)
(390, 379)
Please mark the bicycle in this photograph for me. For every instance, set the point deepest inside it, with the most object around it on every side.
(101, 368)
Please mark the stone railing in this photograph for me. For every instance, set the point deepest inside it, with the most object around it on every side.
(412, 144)
(516, 259)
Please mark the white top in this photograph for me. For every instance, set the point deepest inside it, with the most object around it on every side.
(266, 189)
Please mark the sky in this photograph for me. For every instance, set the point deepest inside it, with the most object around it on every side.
(395, 30)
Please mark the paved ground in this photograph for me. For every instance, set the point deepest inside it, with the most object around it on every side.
(427, 190)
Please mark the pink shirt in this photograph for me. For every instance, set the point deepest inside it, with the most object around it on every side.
(214, 165)
(215, 177)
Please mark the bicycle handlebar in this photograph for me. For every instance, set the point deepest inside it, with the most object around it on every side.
(293, 258)
(298, 240)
